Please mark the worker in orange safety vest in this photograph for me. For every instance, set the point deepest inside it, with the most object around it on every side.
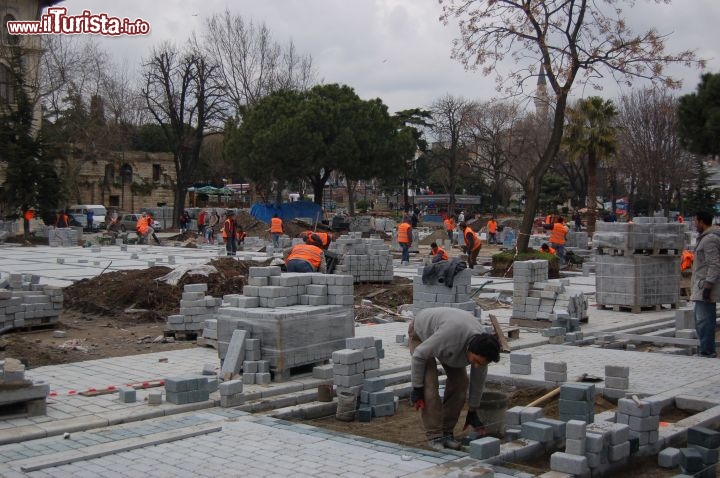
(557, 238)
(229, 233)
(404, 238)
(492, 228)
(472, 244)
(306, 258)
(438, 253)
(450, 226)
(276, 229)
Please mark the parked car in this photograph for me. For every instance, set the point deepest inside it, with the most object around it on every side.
(129, 221)
(79, 213)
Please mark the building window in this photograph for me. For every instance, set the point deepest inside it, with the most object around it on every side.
(114, 201)
(126, 174)
(7, 86)
(156, 172)
(6, 37)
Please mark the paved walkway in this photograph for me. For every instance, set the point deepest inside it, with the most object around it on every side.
(109, 438)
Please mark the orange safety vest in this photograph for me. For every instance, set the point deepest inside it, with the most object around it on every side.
(276, 225)
(550, 250)
(687, 260)
(241, 235)
(470, 236)
(548, 219)
(559, 231)
(492, 226)
(449, 224)
(307, 253)
(228, 226)
(404, 233)
(29, 215)
(440, 251)
(142, 226)
(62, 220)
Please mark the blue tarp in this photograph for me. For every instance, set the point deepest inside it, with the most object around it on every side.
(286, 211)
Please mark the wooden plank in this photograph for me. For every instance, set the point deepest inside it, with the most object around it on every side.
(375, 293)
(538, 324)
(504, 347)
(136, 386)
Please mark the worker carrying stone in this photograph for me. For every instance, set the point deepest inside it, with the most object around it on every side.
(438, 253)
(557, 238)
(457, 339)
(305, 258)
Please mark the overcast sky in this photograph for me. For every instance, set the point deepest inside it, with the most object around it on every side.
(396, 50)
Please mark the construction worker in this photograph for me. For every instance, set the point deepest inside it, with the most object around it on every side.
(557, 238)
(472, 244)
(404, 237)
(686, 260)
(457, 339)
(492, 227)
(141, 228)
(276, 229)
(680, 219)
(229, 233)
(319, 239)
(306, 258)
(548, 224)
(62, 219)
(151, 229)
(28, 216)
(547, 249)
(201, 224)
(449, 223)
(241, 235)
(438, 253)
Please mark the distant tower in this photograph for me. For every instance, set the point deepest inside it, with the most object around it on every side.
(542, 100)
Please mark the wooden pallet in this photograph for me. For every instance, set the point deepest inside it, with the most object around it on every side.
(636, 309)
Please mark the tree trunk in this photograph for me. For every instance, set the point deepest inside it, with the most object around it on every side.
(532, 198)
(592, 191)
(350, 186)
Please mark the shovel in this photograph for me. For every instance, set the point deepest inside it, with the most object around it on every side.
(586, 377)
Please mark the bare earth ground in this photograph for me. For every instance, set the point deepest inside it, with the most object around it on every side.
(123, 313)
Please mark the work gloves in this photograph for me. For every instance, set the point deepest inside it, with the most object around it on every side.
(706, 294)
(417, 398)
(472, 420)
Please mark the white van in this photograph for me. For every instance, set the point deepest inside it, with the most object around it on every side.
(79, 213)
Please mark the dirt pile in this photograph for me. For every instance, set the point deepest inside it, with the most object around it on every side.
(138, 292)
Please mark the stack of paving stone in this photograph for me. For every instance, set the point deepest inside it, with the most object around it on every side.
(555, 371)
(290, 335)
(638, 264)
(529, 423)
(516, 416)
(361, 224)
(62, 237)
(195, 309)
(577, 240)
(617, 381)
(188, 389)
(16, 389)
(593, 448)
(699, 459)
(366, 260)
(26, 303)
(643, 418)
(520, 363)
(231, 393)
(209, 334)
(352, 364)
(685, 324)
(440, 295)
(537, 298)
(375, 401)
(577, 402)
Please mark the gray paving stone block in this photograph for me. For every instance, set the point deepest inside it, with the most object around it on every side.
(709, 455)
(577, 391)
(519, 369)
(235, 354)
(380, 398)
(127, 394)
(556, 376)
(556, 367)
(248, 378)
(359, 343)
(520, 358)
(347, 356)
(575, 407)
(575, 429)
(617, 383)
(349, 380)
(262, 378)
(594, 442)
(484, 448)
(617, 371)
(594, 460)
(645, 424)
(349, 369)
(618, 452)
(513, 416)
(384, 409)
(263, 366)
(559, 426)
(323, 372)
(691, 460)
(629, 407)
(537, 431)
(154, 398)
(371, 364)
(703, 436)
(250, 366)
(364, 413)
(229, 401)
(374, 384)
(669, 458)
(231, 387)
(370, 353)
(575, 446)
(567, 463)
(529, 414)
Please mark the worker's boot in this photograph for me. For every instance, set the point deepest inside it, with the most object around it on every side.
(451, 443)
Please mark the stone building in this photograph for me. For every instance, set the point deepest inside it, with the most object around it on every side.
(120, 180)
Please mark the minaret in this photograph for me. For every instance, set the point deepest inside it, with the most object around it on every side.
(542, 101)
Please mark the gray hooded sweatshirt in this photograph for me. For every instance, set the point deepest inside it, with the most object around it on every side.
(445, 333)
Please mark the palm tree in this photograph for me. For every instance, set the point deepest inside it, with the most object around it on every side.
(591, 132)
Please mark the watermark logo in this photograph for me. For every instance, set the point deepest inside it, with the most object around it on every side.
(57, 22)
